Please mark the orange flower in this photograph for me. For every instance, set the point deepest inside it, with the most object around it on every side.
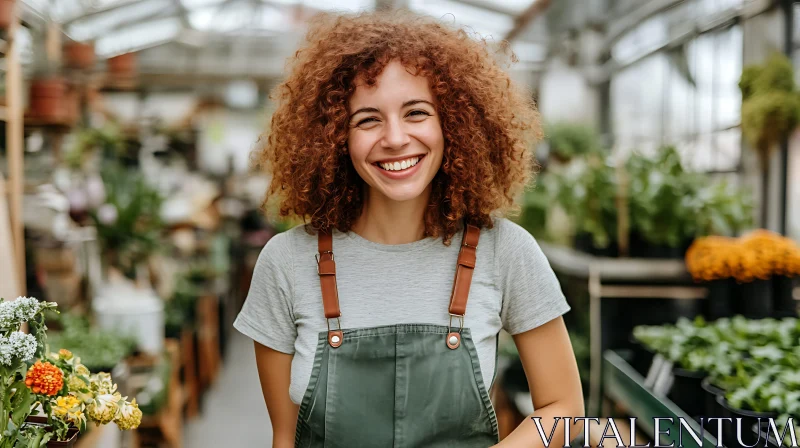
(44, 378)
(757, 255)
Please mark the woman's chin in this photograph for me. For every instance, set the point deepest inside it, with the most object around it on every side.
(402, 194)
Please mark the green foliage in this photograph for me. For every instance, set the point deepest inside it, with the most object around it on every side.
(770, 103)
(569, 140)
(662, 198)
(757, 362)
(768, 117)
(722, 209)
(588, 192)
(99, 350)
(107, 142)
(179, 310)
(16, 400)
(135, 231)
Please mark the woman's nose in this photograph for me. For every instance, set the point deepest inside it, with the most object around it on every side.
(395, 135)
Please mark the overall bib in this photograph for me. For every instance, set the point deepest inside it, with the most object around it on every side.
(405, 385)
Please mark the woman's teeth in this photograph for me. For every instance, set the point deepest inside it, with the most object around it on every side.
(398, 166)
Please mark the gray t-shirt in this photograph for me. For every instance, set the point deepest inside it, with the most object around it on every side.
(513, 288)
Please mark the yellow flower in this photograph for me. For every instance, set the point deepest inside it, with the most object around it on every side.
(82, 370)
(104, 408)
(65, 354)
(69, 409)
(129, 415)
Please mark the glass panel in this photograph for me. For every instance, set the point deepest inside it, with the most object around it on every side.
(485, 23)
(726, 76)
(680, 98)
(637, 95)
(708, 7)
(138, 37)
(728, 145)
(643, 39)
(701, 65)
(95, 26)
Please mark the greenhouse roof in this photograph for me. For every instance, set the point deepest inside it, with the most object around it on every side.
(274, 26)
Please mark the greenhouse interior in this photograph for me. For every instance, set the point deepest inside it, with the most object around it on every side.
(133, 214)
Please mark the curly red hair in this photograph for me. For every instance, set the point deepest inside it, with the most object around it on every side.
(489, 123)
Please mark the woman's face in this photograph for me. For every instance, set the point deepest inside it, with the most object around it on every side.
(395, 137)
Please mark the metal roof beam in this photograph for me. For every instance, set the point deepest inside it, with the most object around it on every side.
(100, 11)
(527, 16)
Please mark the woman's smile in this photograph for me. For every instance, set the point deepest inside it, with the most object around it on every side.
(400, 168)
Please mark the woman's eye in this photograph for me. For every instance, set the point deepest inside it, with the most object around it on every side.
(367, 120)
(419, 113)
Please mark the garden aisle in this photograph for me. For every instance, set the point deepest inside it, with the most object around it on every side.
(233, 413)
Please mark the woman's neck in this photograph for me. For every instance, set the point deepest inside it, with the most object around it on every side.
(389, 222)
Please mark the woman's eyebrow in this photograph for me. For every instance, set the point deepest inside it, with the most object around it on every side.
(413, 102)
(364, 109)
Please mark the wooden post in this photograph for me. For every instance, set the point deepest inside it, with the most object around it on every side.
(15, 150)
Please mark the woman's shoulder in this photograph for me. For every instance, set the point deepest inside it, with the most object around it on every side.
(507, 233)
(285, 244)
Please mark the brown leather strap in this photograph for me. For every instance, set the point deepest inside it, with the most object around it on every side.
(326, 268)
(464, 268)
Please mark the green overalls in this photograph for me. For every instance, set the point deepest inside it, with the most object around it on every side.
(407, 385)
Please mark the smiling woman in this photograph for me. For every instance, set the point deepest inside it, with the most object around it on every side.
(393, 134)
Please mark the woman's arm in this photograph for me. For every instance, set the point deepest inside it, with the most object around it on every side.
(274, 370)
(549, 363)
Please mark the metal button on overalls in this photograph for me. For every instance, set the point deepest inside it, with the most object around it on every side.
(405, 385)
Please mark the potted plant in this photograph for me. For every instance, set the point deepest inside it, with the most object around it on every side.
(663, 202)
(715, 260)
(588, 191)
(79, 55)
(48, 100)
(770, 111)
(129, 222)
(567, 141)
(754, 260)
(692, 346)
(67, 392)
(99, 350)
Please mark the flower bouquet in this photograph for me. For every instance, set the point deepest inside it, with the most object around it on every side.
(57, 385)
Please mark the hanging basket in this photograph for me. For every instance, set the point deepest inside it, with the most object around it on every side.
(6, 13)
(79, 55)
(48, 100)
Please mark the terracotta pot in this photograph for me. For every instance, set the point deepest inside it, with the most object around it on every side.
(123, 65)
(79, 55)
(72, 433)
(47, 99)
(6, 13)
